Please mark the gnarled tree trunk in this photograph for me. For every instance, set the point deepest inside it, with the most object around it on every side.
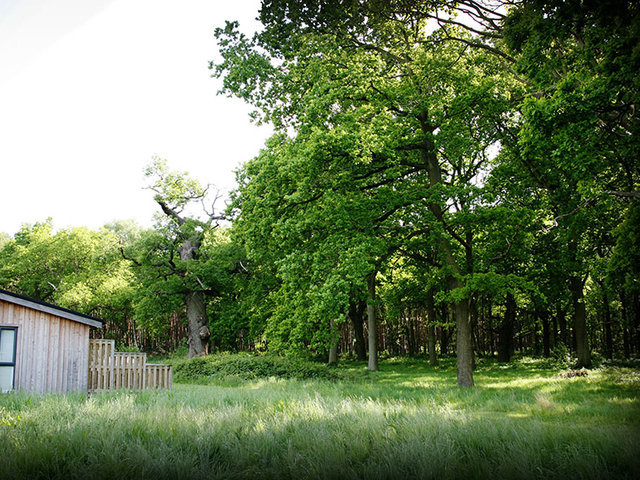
(195, 306)
(197, 321)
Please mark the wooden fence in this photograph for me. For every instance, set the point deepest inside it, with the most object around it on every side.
(110, 370)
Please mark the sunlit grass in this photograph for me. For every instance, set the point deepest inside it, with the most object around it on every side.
(408, 420)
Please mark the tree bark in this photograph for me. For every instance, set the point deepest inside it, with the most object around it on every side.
(444, 341)
(333, 347)
(371, 322)
(356, 315)
(579, 311)
(608, 338)
(562, 324)
(197, 322)
(195, 306)
(505, 332)
(636, 320)
(546, 334)
(580, 322)
(464, 343)
(431, 329)
(625, 323)
(534, 334)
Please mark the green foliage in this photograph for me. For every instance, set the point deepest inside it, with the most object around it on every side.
(452, 164)
(77, 268)
(222, 367)
(174, 188)
(624, 268)
(328, 207)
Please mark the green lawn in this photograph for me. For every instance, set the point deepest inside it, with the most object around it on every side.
(407, 421)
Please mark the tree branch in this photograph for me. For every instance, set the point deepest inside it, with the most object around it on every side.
(504, 254)
(170, 212)
(591, 201)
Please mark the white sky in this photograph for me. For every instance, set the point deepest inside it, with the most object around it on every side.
(90, 90)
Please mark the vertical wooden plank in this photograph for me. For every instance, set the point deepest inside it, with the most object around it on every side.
(59, 367)
(89, 368)
(20, 363)
(76, 353)
(32, 359)
(42, 343)
(34, 354)
(36, 320)
(23, 347)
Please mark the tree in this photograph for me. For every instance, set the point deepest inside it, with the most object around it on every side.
(290, 211)
(169, 259)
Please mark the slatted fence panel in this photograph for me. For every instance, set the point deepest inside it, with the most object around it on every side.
(110, 370)
(128, 370)
(101, 364)
(158, 376)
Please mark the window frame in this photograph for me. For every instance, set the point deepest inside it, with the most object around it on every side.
(15, 345)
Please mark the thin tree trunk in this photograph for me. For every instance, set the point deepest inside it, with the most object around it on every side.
(636, 321)
(444, 341)
(546, 336)
(534, 335)
(371, 322)
(505, 332)
(562, 324)
(625, 322)
(431, 332)
(608, 338)
(333, 347)
(625, 343)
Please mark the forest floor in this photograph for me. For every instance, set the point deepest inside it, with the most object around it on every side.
(523, 420)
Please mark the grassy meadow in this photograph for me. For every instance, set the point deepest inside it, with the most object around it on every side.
(230, 418)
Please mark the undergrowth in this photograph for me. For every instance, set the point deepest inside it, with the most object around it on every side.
(245, 366)
(523, 420)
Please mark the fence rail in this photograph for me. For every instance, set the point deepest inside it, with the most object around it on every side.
(110, 370)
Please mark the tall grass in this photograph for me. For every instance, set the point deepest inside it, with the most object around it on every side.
(406, 421)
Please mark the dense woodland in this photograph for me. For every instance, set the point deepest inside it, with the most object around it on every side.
(445, 178)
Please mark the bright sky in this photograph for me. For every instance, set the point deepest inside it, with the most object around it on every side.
(90, 90)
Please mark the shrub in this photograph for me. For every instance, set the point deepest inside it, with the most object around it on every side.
(248, 367)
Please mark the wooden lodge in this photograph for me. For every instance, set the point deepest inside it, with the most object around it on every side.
(46, 348)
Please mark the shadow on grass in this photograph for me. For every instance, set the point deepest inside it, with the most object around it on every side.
(188, 434)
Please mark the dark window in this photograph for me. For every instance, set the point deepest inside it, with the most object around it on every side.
(7, 358)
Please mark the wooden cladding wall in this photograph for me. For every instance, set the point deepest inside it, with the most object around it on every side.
(51, 352)
(110, 370)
